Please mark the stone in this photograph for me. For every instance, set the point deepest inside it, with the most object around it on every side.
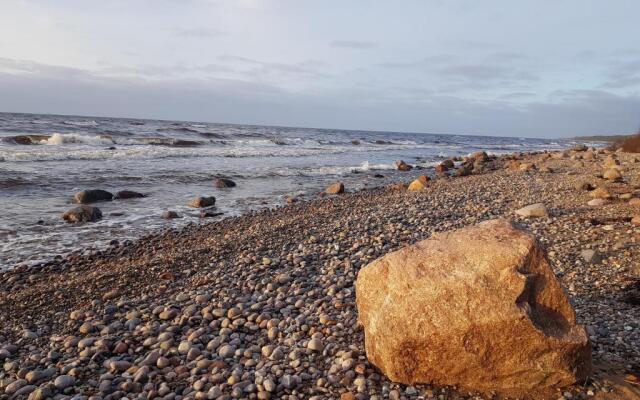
(201, 202)
(225, 183)
(315, 345)
(580, 147)
(464, 170)
(420, 183)
(64, 381)
(227, 351)
(600, 193)
(636, 220)
(478, 308)
(533, 210)
(336, 188)
(584, 186)
(82, 214)
(597, 202)
(612, 174)
(170, 215)
(92, 196)
(403, 166)
(591, 256)
(634, 201)
(128, 194)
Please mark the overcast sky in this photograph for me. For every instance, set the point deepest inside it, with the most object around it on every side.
(518, 68)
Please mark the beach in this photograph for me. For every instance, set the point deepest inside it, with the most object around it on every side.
(262, 305)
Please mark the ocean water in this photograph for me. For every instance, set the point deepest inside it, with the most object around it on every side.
(45, 159)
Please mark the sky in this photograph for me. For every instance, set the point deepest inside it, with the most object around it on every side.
(534, 68)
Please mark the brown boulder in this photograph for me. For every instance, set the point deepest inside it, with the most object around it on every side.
(612, 174)
(336, 188)
(420, 183)
(478, 308)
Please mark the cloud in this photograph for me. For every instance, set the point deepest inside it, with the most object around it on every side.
(486, 72)
(624, 75)
(353, 44)
(199, 33)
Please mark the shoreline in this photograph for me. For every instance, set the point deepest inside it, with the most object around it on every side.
(292, 268)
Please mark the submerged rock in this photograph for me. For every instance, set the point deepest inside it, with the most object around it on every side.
(82, 214)
(92, 196)
(478, 308)
(201, 202)
(225, 183)
(170, 215)
(128, 194)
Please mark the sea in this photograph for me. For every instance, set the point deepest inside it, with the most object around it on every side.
(46, 159)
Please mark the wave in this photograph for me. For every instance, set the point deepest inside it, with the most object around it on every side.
(89, 122)
(58, 139)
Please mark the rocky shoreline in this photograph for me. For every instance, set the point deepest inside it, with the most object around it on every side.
(263, 305)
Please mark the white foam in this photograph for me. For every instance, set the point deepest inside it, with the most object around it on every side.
(58, 139)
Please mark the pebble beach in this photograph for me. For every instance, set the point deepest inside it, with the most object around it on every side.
(262, 305)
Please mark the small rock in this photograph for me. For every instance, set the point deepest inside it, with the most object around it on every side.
(225, 183)
(590, 256)
(403, 166)
(64, 381)
(170, 215)
(128, 194)
(612, 174)
(419, 183)
(533, 210)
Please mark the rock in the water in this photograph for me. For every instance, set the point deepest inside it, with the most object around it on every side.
(128, 194)
(170, 215)
(420, 183)
(403, 166)
(201, 202)
(478, 308)
(336, 188)
(533, 210)
(82, 214)
(92, 196)
(225, 183)
(210, 214)
(612, 174)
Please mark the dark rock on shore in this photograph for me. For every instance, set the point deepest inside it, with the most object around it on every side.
(82, 214)
(128, 194)
(225, 183)
(201, 202)
(92, 196)
(210, 213)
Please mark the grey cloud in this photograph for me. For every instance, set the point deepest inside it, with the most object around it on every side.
(353, 44)
(624, 75)
(486, 72)
(198, 32)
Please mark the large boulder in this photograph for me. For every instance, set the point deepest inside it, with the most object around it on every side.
(82, 214)
(92, 196)
(478, 308)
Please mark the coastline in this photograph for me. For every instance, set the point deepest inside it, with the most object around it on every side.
(276, 277)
